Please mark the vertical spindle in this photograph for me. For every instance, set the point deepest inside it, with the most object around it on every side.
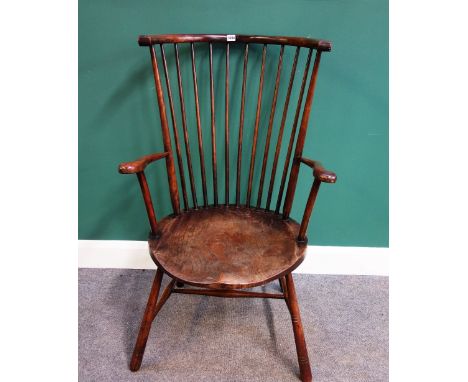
(293, 133)
(281, 130)
(241, 126)
(171, 175)
(270, 127)
(184, 126)
(174, 128)
(257, 121)
(301, 139)
(226, 130)
(199, 131)
(213, 131)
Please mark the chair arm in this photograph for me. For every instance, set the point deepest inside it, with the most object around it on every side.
(137, 167)
(319, 171)
(320, 175)
(140, 164)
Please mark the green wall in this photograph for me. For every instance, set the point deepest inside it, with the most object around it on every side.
(119, 120)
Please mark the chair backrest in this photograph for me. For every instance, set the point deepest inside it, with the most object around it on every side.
(281, 72)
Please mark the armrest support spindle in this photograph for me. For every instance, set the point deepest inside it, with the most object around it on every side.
(320, 175)
(308, 209)
(137, 167)
(148, 202)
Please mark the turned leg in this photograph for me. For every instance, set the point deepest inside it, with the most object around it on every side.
(146, 323)
(301, 348)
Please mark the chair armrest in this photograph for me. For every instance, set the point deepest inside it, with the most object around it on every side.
(319, 171)
(320, 175)
(137, 167)
(140, 164)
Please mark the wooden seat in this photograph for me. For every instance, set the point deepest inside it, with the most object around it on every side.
(222, 238)
(228, 248)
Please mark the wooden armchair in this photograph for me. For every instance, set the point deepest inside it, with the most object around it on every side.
(221, 247)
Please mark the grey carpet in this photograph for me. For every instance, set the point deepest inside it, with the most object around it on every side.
(198, 338)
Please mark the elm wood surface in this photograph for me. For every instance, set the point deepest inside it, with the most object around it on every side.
(184, 125)
(281, 130)
(164, 297)
(322, 45)
(241, 126)
(227, 248)
(171, 175)
(226, 129)
(213, 131)
(146, 322)
(257, 122)
(293, 133)
(319, 171)
(199, 130)
(263, 133)
(229, 293)
(293, 176)
(301, 347)
(270, 127)
(174, 128)
(148, 202)
(224, 248)
(139, 165)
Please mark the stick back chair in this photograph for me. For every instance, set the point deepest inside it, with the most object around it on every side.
(222, 241)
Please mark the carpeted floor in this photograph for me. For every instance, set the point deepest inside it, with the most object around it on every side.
(198, 338)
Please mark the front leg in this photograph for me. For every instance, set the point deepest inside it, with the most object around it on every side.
(146, 322)
(301, 347)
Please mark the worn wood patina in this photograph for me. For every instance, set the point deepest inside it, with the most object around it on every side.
(211, 245)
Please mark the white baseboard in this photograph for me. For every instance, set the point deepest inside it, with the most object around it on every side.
(319, 260)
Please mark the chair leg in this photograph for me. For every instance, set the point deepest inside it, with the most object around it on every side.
(301, 348)
(162, 300)
(146, 322)
(284, 289)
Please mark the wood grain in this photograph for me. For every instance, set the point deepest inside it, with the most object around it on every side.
(146, 322)
(293, 133)
(270, 127)
(185, 129)
(171, 174)
(241, 126)
(301, 347)
(226, 249)
(257, 122)
(292, 183)
(320, 172)
(199, 128)
(323, 45)
(281, 130)
(174, 128)
(230, 248)
(140, 164)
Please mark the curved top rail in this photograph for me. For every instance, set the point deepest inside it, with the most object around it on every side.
(148, 40)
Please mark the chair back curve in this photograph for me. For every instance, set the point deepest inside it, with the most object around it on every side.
(234, 113)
